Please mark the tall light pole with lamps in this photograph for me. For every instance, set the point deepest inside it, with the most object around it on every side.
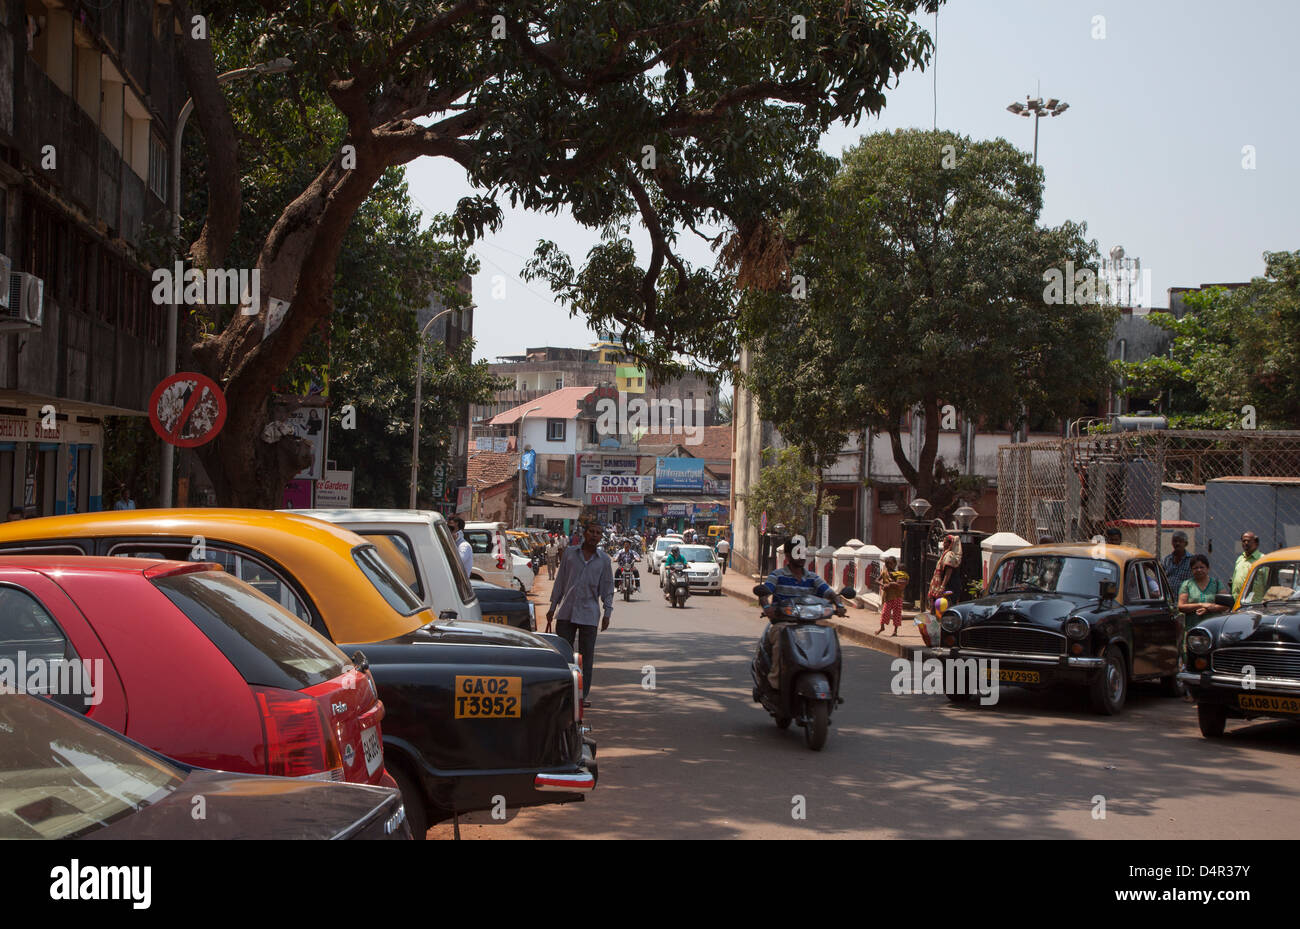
(278, 66)
(519, 501)
(419, 379)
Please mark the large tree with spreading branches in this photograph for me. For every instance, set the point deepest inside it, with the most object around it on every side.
(677, 116)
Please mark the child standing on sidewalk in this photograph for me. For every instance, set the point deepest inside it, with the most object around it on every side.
(892, 583)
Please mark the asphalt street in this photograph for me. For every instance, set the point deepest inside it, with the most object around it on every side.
(693, 757)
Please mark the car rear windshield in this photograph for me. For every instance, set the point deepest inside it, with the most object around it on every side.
(268, 645)
(389, 585)
(61, 777)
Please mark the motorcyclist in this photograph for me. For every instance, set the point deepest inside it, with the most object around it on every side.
(783, 584)
(675, 557)
(627, 560)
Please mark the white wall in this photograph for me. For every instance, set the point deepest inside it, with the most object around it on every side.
(535, 435)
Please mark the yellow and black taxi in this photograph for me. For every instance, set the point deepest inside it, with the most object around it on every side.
(474, 711)
(1246, 663)
(1092, 615)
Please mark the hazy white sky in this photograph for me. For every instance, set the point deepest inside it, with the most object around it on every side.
(1150, 154)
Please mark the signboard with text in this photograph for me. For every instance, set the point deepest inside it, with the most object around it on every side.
(619, 483)
(679, 474)
(334, 491)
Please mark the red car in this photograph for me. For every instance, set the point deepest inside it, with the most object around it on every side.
(191, 662)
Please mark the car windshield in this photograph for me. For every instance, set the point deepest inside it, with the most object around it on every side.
(1053, 574)
(697, 553)
(1278, 580)
(664, 545)
(62, 777)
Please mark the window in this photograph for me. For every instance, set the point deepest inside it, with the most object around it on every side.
(480, 540)
(388, 584)
(559, 382)
(159, 167)
(395, 549)
(26, 628)
(555, 430)
(452, 557)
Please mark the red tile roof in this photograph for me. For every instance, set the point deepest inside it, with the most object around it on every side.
(487, 469)
(715, 443)
(560, 404)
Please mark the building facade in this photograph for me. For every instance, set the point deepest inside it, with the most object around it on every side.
(89, 95)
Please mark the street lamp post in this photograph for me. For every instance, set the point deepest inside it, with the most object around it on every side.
(519, 498)
(278, 66)
(1037, 107)
(419, 379)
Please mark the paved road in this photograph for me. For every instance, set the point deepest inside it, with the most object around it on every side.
(695, 758)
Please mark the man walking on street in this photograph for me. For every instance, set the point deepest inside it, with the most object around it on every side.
(553, 552)
(585, 582)
(724, 550)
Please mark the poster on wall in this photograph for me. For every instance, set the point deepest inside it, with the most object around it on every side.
(334, 491)
(297, 495)
(309, 423)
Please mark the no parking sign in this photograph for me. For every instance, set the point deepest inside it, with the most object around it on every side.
(187, 409)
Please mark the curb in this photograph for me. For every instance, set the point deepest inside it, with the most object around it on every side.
(885, 644)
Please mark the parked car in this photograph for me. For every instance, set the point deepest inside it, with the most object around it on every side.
(418, 546)
(491, 547)
(1246, 664)
(522, 570)
(505, 606)
(1102, 617)
(193, 663)
(702, 571)
(65, 777)
(448, 755)
(663, 545)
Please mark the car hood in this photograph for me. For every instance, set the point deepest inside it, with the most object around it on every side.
(1266, 624)
(243, 806)
(1047, 610)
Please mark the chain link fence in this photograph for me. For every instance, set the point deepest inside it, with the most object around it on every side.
(1211, 485)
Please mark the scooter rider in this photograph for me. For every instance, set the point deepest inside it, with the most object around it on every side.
(627, 560)
(791, 581)
(675, 556)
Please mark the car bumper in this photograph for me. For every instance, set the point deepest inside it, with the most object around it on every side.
(1229, 684)
(1058, 668)
(584, 779)
(705, 583)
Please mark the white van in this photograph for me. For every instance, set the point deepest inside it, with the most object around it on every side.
(418, 545)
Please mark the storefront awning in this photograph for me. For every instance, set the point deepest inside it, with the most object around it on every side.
(553, 512)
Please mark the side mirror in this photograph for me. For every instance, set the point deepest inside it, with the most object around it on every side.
(848, 593)
(1108, 590)
(1225, 600)
(760, 590)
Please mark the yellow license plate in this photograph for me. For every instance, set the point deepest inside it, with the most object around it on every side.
(498, 618)
(1262, 703)
(1018, 677)
(479, 697)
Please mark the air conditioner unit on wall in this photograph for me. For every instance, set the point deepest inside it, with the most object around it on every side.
(26, 306)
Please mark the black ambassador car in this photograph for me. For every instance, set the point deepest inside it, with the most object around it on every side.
(1095, 616)
(505, 606)
(1246, 664)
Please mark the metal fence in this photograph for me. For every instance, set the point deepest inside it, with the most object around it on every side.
(1212, 485)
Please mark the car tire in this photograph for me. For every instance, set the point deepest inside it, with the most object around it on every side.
(1109, 691)
(1213, 720)
(413, 800)
(519, 586)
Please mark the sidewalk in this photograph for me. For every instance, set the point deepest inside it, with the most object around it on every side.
(859, 626)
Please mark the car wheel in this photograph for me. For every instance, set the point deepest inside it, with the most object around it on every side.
(1213, 720)
(1110, 688)
(413, 800)
(519, 586)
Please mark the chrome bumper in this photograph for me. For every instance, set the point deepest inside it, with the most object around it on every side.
(567, 783)
(1238, 682)
(1047, 661)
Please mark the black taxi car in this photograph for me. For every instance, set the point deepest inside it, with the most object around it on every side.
(474, 711)
(1246, 664)
(1092, 615)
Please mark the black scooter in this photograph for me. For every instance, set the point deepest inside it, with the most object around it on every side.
(810, 664)
(676, 586)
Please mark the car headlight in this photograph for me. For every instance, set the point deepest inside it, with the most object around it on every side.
(1077, 628)
(950, 622)
(1199, 641)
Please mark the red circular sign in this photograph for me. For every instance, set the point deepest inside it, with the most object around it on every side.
(187, 409)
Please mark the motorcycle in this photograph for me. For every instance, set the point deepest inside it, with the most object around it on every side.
(627, 583)
(810, 664)
(676, 587)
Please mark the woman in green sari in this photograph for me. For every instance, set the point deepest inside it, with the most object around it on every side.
(1196, 596)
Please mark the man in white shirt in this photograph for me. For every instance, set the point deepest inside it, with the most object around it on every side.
(463, 548)
(724, 550)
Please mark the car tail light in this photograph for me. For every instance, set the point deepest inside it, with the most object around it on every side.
(299, 741)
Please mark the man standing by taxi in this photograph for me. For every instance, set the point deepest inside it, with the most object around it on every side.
(585, 581)
(1250, 554)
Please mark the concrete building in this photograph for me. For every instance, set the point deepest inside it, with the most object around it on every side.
(89, 93)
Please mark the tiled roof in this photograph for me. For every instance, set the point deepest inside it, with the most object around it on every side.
(715, 443)
(487, 469)
(560, 404)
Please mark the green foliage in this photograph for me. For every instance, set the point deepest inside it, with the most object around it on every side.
(924, 268)
(786, 490)
(1233, 348)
